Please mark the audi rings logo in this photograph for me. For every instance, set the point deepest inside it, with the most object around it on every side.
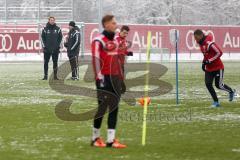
(5, 42)
(191, 42)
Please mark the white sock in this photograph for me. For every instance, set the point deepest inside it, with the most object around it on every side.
(110, 135)
(96, 133)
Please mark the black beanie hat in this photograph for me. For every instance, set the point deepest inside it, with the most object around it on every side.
(72, 23)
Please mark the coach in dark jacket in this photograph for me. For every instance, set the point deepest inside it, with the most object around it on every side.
(51, 41)
(73, 46)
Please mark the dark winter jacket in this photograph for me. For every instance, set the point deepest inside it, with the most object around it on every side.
(51, 38)
(73, 42)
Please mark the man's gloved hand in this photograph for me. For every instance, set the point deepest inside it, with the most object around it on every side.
(101, 80)
(206, 62)
(102, 84)
(130, 53)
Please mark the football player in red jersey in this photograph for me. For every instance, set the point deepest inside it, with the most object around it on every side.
(123, 46)
(212, 66)
(108, 76)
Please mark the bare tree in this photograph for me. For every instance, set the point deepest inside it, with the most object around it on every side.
(217, 12)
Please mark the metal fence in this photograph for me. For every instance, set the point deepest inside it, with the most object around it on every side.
(36, 10)
(34, 30)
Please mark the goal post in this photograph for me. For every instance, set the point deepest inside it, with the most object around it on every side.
(158, 55)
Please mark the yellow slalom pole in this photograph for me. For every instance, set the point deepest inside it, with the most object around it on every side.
(146, 88)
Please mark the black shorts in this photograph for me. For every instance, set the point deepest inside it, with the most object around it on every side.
(108, 94)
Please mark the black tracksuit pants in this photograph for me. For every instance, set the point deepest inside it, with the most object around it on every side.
(74, 66)
(108, 94)
(218, 76)
(47, 57)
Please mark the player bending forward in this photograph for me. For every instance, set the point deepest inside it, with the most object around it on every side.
(212, 66)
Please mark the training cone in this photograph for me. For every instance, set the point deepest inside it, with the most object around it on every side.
(141, 101)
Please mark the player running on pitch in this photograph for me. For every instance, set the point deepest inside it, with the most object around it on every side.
(212, 66)
(108, 75)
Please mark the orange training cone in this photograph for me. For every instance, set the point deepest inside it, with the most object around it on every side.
(141, 100)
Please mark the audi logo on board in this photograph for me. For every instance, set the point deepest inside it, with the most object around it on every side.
(5, 42)
(191, 42)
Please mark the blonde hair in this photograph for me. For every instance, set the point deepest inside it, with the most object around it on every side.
(51, 17)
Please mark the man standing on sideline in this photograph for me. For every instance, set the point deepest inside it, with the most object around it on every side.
(108, 74)
(73, 46)
(51, 41)
(123, 46)
(212, 66)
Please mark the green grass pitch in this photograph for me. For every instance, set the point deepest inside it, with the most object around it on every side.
(30, 130)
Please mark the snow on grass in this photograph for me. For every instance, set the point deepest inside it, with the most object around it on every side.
(29, 126)
(236, 150)
(221, 117)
